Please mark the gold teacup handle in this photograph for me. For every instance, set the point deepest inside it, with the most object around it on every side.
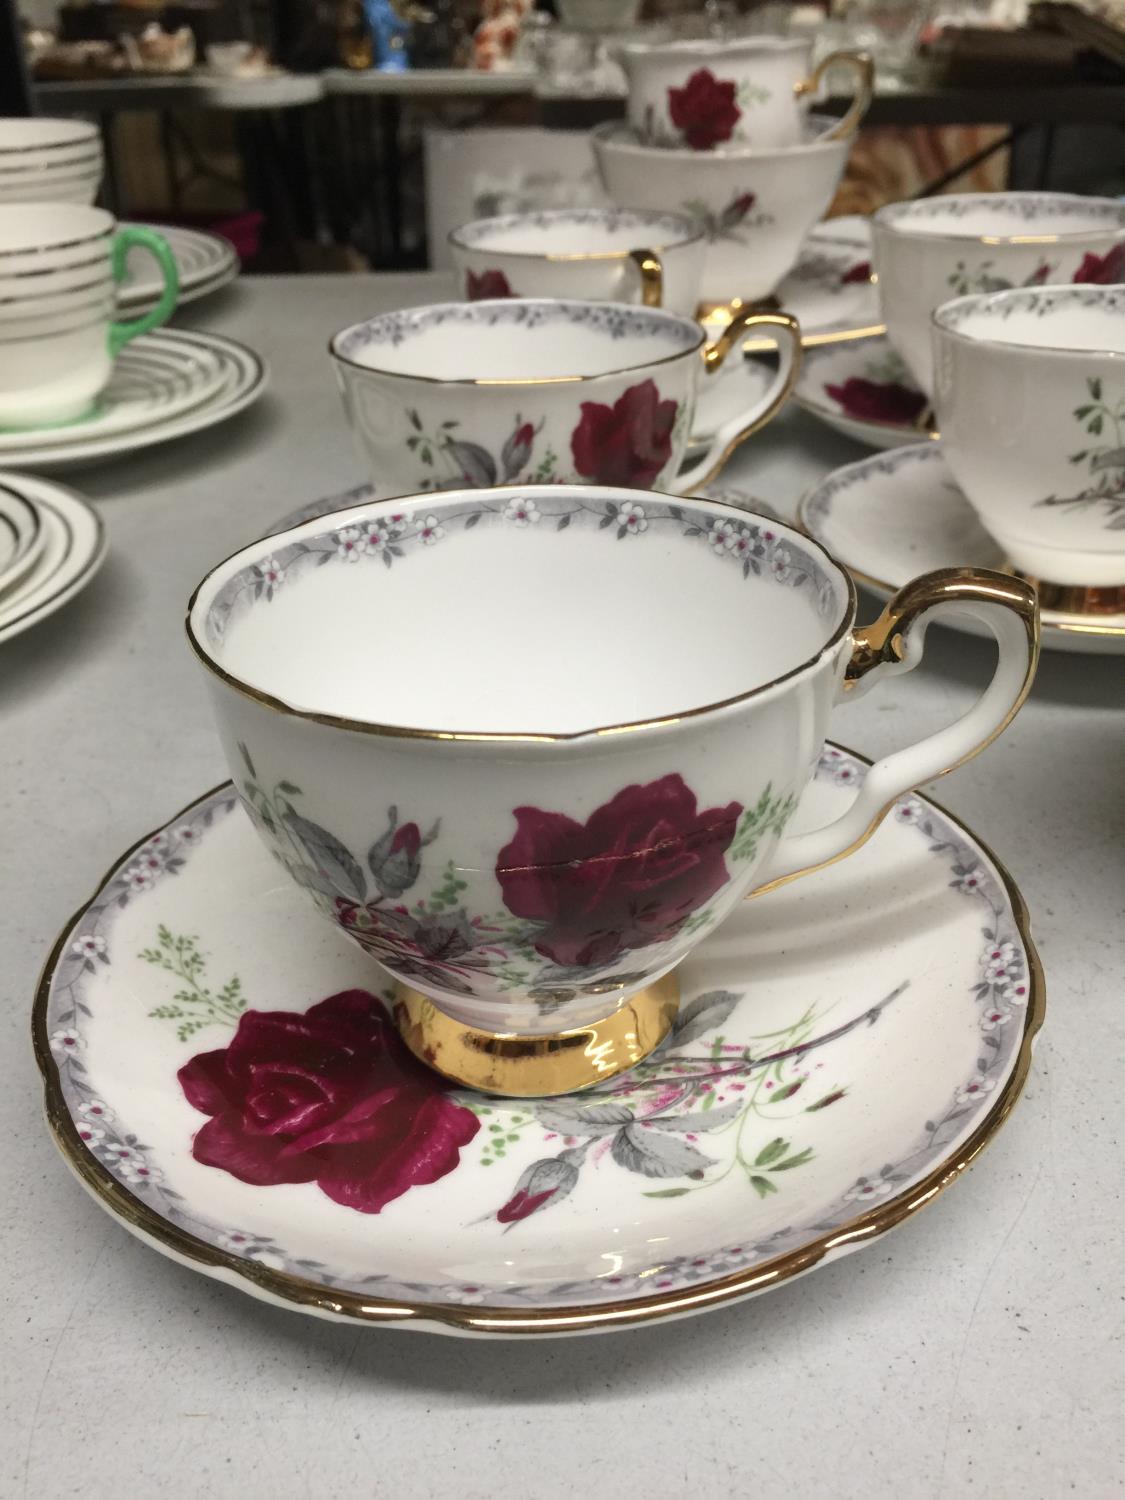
(848, 123)
(730, 434)
(1009, 608)
(649, 265)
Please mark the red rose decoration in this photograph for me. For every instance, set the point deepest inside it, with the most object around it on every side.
(627, 443)
(861, 271)
(1103, 270)
(626, 878)
(331, 1097)
(487, 284)
(874, 401)
(704, 109)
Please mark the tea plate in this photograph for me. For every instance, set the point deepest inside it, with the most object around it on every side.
(164, 385)
(892, 516)
(846, 1046)
(74, 549)
(205, 263)
(864, 390)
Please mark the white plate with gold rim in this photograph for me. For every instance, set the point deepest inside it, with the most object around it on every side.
(894, 515)
(828, 1075)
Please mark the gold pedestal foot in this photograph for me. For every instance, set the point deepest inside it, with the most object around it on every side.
(528, 1067)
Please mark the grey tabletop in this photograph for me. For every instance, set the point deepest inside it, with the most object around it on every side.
(976, 1350)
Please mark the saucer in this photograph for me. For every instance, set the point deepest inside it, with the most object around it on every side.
(890, 517)
(864, 390)
(73, 549)
(205, 262)
(164, 385)
(847, 1044)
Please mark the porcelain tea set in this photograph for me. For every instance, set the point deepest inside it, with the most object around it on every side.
(537, 730)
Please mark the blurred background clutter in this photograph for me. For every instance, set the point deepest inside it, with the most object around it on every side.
(351, 134)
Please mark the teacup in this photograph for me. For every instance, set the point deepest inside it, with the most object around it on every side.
(1031, 404)
(59, 267)
(522, 392)
(754, 206)
(734, 93)
(592, 254)
(528, 747)
(929, 250)
(55, 161)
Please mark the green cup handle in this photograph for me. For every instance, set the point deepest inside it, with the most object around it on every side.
(158, 247)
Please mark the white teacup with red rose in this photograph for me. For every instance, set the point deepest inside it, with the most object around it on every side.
(733, 93)
(929, 250)
(533, 391)
(593, 254)
(755, 206)
(527, 747)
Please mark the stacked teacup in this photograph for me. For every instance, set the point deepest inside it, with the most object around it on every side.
(1025, 365)
(49, 161)
(719, 130)
(59, 268)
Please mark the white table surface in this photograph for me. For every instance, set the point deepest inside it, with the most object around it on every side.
(975, 1351)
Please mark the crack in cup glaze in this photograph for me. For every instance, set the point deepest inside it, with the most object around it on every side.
(527, 749)
(1031, 404)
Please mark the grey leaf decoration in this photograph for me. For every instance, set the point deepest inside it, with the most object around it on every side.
(582, 1119)
(329, 857)
(705, 1013)
(655, 1155)
(1113, 458)
(694, 1124)
(475, 462)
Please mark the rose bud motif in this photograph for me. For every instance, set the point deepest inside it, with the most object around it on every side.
(517, 450)
(394, 859)
(544, 1183)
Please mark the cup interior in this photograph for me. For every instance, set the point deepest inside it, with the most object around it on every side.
(579, 232)
(1087, 320)
(516, 341)
(1003, 216)
(546, 611)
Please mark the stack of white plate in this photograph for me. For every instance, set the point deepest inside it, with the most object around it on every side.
(49, 161)
(205, 263)
(51, 545)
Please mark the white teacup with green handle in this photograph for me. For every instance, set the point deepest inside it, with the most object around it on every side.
(60, 264)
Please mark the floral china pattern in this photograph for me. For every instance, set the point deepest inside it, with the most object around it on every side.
(610, 318)
(629, 443)
(390, 537)
(580, 897)
(481, 286)
(729, 223)
(706, 111)
(399, 1129)
(884, 392)
(1093, 269)
(1104, 462)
